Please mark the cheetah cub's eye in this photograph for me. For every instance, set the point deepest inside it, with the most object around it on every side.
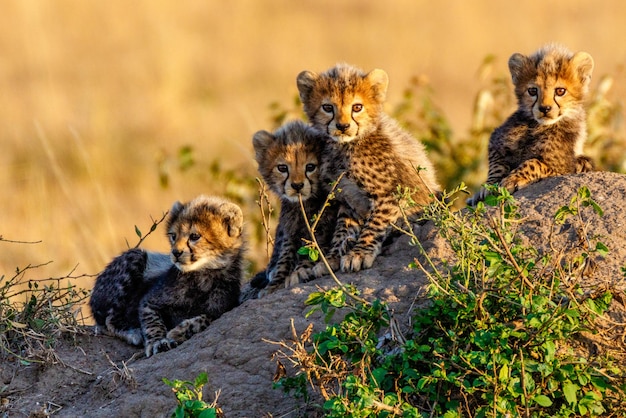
(532, 91)
(357, 107)
(282, 168)
(560, 91)
(194, 236)
(310, 168)
(328, 108)
(172, 237)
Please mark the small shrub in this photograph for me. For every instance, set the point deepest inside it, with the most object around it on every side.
(498, 338)
(189, 398)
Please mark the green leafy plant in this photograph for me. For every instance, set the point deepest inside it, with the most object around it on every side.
(189, 397)
(498, 339)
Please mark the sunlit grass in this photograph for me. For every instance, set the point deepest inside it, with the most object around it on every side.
(97, 100)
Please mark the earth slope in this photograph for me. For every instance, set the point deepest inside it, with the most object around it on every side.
(104, 377)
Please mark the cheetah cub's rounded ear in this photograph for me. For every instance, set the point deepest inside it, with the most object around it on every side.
(233, 218)
(306, 82)
(379, 81)
(261, 141)
(519, 65)
(583, 63)
(177, 207)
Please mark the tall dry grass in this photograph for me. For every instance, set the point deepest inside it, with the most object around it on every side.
(98, 99)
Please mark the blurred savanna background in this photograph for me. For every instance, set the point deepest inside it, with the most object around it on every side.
(111, 111)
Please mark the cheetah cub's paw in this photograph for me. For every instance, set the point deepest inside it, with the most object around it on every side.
(160, 345)
(294, 278)
(186, 329)
(302, 275)
(271, 288)
(480, 195)
(514, 182)
(357, 260)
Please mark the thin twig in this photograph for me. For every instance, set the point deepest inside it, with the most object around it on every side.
(519, 270)
(323, 257)
(152, 229)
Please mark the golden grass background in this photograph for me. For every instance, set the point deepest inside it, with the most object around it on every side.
(97, 98)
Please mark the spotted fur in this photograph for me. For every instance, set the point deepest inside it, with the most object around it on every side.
(374, 154)
(545, 136)
(161, 300)
(289, 161)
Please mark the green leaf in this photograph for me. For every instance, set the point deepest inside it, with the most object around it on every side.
(503, 376)
(208, 413)
(303, 250)
(379, 374)
(569, 390)
(314, 298)
(137, 231)
(563, 213)
(602, 249)
(201, 380)
(584, 193)
(491, 200)
(542, 400)
(600, 383)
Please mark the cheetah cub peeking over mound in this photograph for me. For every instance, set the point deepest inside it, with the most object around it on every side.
(545, 136)
(375, 155)
(289, 162)
(159, 300)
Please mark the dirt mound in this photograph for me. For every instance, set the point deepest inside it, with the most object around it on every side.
(104, 377)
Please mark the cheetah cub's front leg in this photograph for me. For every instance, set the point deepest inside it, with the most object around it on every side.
(372, 234)
(155, 332)
(189, 327)
(528, 172)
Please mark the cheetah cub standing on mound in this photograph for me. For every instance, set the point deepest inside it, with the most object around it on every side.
(545, 136)
(375, 155)
(142, 298)
(289, 162)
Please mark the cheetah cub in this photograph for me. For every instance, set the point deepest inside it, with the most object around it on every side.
(545, 136)
(145, 299)
(289, 162)
(375, 155)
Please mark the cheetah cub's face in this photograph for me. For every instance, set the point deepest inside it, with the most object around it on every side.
(552, 83)
(289, 160)
(206, 233)
(343, 102)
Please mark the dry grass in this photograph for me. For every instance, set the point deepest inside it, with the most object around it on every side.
(97, 98)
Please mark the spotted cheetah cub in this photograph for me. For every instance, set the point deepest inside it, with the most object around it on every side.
(289, 162)
(143, 298)
(375, 155)
(545, 136)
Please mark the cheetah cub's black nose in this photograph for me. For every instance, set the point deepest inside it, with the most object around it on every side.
(177, 253)
(545, 109)
(297, 186)
(342, 126)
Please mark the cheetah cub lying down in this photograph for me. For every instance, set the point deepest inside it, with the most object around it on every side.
(159, 300)
(545, 136)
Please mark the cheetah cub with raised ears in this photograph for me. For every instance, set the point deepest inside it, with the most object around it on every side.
(375, 155)
(148, 300)
(545, 136)
(289, 161)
